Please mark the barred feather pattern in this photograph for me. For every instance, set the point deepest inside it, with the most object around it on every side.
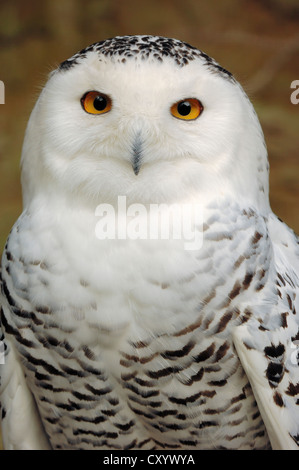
(164, 377)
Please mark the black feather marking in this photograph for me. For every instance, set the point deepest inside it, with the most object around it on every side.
(143, 48)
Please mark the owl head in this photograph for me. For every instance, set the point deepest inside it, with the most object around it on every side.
(150, 118)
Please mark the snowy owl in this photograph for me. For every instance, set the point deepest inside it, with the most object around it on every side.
(130, 342)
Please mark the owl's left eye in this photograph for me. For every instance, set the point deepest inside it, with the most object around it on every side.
(94, 102)
(188, 109)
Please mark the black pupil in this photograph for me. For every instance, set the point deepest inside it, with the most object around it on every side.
(100, 103)
(184, 108)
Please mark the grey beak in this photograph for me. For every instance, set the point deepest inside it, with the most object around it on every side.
(137, 154)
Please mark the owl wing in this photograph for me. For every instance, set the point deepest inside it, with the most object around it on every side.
(268, 349)
(21, 425)
(274, 383)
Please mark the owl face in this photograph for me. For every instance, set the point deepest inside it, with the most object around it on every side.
(147, 121)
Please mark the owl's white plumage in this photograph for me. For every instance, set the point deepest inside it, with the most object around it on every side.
(141, 343)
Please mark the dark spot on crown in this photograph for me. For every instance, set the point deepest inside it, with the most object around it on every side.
(158, 48)
(67, 64)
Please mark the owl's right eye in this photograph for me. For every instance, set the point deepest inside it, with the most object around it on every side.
(94, 102)
(188, 109)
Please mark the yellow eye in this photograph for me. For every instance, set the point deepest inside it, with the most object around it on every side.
(188, 109)
(94, 102)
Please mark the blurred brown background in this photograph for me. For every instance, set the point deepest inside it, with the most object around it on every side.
(257, 40)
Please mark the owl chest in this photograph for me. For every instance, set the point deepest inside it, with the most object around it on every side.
(124, 344)
(112, 293)
(111, 285)
(115, 287)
